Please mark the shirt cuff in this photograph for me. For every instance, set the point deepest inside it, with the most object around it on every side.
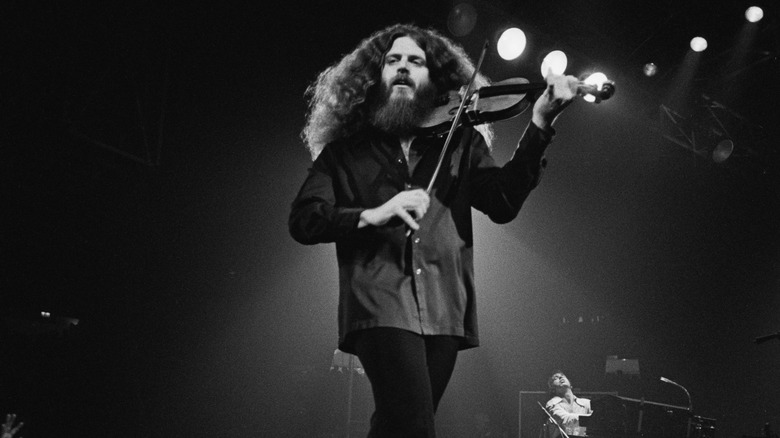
(348, 221)
(534, 142)
(549, 130)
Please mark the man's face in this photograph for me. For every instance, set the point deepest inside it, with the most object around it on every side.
(406, 94)
(559, 380)
(405, 70)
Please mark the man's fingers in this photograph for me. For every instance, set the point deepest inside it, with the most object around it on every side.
(420, 208)
(409, 205)
(417, 201)
(406, 217)
(562, 87)
(420, 211)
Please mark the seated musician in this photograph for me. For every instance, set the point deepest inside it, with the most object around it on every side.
(565, 407)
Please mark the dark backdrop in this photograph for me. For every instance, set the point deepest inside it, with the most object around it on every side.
(151, 151)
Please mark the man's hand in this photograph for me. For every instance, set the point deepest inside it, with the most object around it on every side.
(407, 205)
(9, 430)
(560, 92)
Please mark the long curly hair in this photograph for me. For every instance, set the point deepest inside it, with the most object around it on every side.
(339, 97)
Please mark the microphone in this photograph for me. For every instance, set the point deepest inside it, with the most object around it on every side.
(690, 403)
(664, 379)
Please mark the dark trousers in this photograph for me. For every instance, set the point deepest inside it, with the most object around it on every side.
(408, 374)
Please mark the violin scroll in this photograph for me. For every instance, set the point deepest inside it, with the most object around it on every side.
(603, 92)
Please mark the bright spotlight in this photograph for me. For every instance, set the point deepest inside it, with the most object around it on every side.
(698, 44)
(511, 44)
(596, 79)
(555, 62)
(754, 14)
(650, 69)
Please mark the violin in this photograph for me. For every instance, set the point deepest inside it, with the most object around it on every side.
(499, 101)
(506, 99)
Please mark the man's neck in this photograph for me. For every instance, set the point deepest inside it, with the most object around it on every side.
(566, 394)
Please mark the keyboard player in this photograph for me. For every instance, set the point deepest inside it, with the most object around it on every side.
(565, 407)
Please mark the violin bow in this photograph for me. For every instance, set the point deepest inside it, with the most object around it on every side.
(456, 119)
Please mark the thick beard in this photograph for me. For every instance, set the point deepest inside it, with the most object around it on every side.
(401, 115)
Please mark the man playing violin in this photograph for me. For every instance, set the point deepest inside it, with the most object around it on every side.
(405, 254)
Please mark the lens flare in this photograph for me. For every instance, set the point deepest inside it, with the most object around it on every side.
(650, 69)
(462, 19)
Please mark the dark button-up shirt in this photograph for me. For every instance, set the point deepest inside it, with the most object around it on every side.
(421, 281)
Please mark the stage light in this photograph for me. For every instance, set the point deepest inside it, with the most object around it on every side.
(698, 44)
(555, 62)
(754, 14)
(596, 79)
(462, 19)
(723, 150)
(650, 69)
(511, 44)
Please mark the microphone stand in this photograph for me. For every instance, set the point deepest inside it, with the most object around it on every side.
(563, 432)
(690, 403)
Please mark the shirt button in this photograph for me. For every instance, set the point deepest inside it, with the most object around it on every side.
(416, 240)
(418, 271)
